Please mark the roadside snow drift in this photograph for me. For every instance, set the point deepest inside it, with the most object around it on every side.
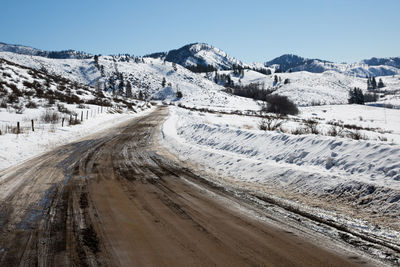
(363, 172)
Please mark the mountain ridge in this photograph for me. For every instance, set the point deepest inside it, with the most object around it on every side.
(212, 58)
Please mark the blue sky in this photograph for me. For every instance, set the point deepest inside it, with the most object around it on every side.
(249, 30)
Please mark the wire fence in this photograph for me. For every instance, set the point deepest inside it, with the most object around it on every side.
(49, 122)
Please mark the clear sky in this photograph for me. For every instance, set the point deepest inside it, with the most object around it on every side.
(335, 30)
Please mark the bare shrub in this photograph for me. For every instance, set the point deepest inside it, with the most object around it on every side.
(335, 131)
(3, 103)
(270, 123)
(15, 90)
(81, 106)
(14, 130)
(356, 135)
(50, 116)
(61, 108)
(311, 126)
(51, 101)
(31, 104)
(99, 102)
(280, 105)
(74, 121)
(19, 108)
(300, 130)
(382, 138)
(72, 99)
(12, 99)
(3, 91)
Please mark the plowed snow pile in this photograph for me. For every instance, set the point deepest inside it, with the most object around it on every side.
(360, 172)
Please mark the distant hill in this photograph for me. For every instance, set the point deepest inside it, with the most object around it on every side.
(26, 50)
(392, 61)
(295, 63)
(368, 67)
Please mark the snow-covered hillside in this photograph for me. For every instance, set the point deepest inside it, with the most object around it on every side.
(145, 76)
(307, 88)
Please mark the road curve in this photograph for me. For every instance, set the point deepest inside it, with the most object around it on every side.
(112, 200)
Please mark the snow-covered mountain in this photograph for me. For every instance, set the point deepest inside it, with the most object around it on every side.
(26, 50)
(199, 54)
(368, 67)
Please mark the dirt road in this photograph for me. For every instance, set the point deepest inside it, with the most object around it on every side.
(112, 199)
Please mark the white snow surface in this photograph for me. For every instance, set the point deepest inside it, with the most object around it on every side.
(308, 164)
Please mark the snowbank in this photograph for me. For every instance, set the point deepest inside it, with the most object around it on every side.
(360, 171)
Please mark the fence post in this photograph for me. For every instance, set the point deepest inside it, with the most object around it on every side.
(87, 114)
(62, 123)
(33, 126)
(81, 116)
(101, 109)
(18, 127)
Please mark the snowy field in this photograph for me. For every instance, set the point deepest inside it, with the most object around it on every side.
(16, 148)
(231, 146)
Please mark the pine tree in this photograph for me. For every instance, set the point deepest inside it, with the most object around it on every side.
(373, 83)
(128, 90)
(356, 96)
(164, 82)
(97, 86)
(381, 84)
(369, 85)
(121, 86)
(216, 77)
(111, 83)
(96, 61)
(140, 96)
(275, 80)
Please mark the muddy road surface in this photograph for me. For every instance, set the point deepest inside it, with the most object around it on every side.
(112, 199)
